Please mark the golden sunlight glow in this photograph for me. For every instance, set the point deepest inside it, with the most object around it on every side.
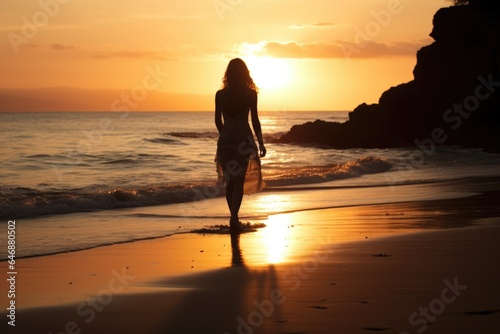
(275, 236)
(271, 204)
(269, 73)
(92, 52)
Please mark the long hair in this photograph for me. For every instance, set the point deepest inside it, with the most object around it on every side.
(237, 76)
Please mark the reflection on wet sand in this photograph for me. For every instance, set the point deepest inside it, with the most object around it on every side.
(237, 257)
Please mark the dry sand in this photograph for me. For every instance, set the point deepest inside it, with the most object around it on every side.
(434, 281)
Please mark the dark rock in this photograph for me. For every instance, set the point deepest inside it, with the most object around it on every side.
(449, 101)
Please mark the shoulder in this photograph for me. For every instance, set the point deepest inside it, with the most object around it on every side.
(219, 94)
(252, 93)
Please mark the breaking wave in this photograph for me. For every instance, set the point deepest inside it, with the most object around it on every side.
(25, 202)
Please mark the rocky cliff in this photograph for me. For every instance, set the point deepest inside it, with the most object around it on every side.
(454, 98)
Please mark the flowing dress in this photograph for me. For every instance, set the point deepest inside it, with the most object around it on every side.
(237, 153)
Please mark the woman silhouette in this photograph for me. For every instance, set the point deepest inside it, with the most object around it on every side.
(238, 164)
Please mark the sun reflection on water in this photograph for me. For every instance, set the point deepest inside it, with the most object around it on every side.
(273, 204)
(276, 238)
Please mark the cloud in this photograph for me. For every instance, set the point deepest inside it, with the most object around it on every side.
(134, 54)
(61, 47)
(54, 47)
(340, 49)
(313, 26)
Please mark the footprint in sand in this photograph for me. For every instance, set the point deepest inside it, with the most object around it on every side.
(382, 255)
(484, 312)
(377, 329)
(281, 321)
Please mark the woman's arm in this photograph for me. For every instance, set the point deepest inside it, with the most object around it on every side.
(256, 123)
(218, 111)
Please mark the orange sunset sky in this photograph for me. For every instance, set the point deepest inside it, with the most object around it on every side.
(171, 55)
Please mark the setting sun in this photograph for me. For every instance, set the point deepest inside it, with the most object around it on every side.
(269, 73)
(294, 52)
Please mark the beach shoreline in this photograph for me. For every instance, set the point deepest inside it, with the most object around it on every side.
(317, 278)
(352, 287)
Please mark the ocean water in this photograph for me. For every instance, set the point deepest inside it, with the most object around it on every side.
(132, 176)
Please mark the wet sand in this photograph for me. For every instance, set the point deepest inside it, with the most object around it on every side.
(416, 267)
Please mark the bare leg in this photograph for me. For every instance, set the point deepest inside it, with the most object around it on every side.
(229, 193)
(236, 199)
